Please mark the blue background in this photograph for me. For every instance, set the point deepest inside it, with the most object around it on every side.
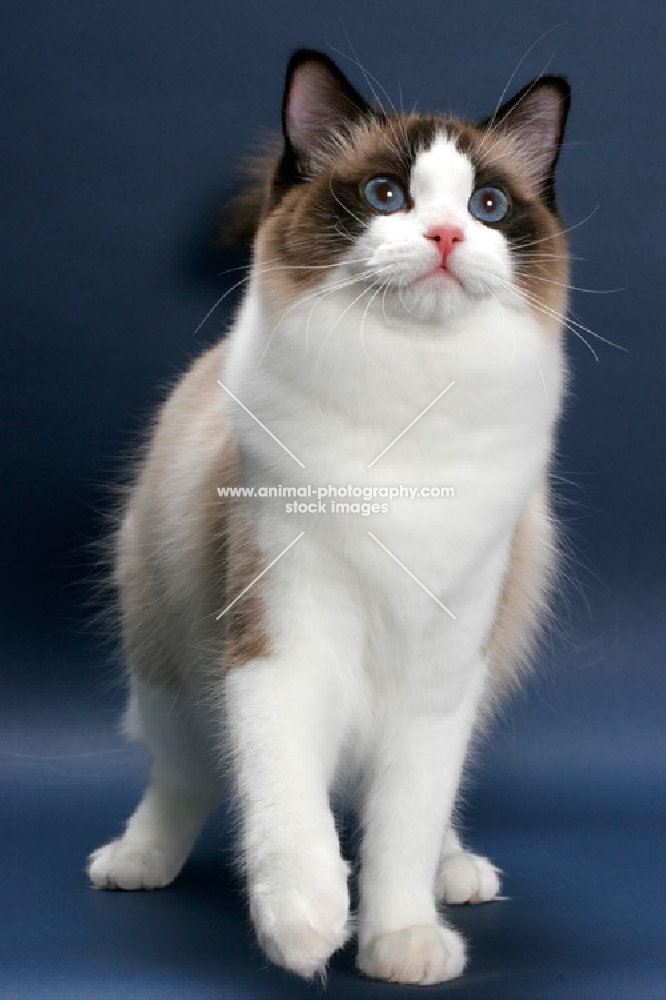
(122, 128)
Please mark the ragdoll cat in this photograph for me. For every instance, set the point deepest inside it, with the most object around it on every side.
(401, 327)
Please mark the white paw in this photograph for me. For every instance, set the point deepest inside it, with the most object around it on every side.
(467, 878)
(302, 918)
(127, 864)
(418, 955)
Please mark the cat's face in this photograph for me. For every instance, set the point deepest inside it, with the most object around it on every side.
(423, 215)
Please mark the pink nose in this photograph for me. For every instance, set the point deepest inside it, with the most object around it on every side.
(445, 238)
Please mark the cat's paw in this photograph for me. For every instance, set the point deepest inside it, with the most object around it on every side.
(467, 878)
(301, 917)
(420, 955)
(128, 864)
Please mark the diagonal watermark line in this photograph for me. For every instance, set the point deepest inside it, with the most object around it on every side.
(258, 577)
(410, 425)
(409, 573)
(251, 414)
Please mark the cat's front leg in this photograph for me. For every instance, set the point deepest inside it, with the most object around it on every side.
(284, 741)
(407, 810)
(464, 877)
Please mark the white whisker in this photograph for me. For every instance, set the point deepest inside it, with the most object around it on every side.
(517, 67)
(370, 80)
(347, 283)
(566, 321)
(569, 321)
(518, 245)
(572, 288)
(220, 301)
(325, 341)
(384, 286)
(318, 294)
(341, 204)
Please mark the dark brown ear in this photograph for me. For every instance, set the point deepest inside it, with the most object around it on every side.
(318, 102)
(535, 119)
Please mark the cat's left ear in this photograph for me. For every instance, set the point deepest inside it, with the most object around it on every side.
(319, 102)
(535, 120)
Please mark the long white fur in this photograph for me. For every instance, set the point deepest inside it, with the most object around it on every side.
(371, 688)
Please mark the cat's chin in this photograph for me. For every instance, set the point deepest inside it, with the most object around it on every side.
(432, 300)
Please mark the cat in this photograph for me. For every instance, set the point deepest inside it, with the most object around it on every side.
(401, 329)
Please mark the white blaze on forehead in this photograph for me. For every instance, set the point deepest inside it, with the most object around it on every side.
(442, 177)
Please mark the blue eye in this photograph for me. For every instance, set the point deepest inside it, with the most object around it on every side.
(385, 194)
(489, 205)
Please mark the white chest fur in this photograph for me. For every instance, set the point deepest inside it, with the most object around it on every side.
(361, 382)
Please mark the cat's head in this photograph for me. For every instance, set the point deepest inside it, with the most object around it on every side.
(433, 213)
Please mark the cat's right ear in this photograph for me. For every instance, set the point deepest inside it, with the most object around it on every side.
(319, 102)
